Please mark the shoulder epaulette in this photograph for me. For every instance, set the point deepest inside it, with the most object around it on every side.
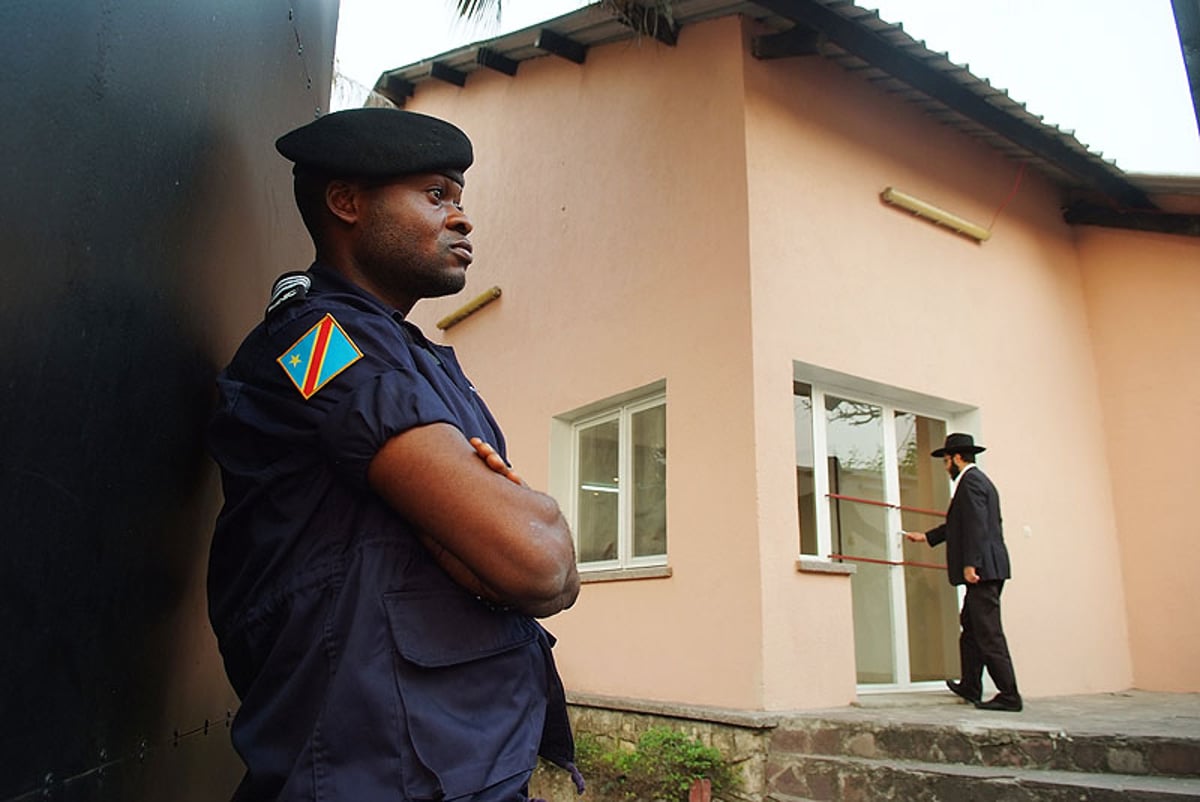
(289, 288)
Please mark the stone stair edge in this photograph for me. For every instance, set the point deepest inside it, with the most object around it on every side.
(981, 732)
(1165, 787)
(999, 747)
(817, 722)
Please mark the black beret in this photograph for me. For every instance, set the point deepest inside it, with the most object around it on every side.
(378, 143)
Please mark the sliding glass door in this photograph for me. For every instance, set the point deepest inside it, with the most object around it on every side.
(874, 479)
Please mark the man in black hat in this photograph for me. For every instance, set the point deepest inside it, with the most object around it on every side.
(377, 568)
(976, 556)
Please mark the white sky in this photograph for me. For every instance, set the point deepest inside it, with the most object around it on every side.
(1111, 70)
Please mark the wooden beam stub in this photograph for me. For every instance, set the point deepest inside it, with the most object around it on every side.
(444, 72)
(561, 46)
(395, 89)
(486, 57)
(799, 40)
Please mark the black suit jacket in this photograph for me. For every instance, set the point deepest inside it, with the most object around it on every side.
(972, 532)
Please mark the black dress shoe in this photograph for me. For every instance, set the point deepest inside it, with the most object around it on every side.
(957, 689)
(1007, 704)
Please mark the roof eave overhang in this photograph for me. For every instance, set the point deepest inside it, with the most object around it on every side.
(940, 86)
(1095, 190)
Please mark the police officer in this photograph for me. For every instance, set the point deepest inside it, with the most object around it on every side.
(377, 568)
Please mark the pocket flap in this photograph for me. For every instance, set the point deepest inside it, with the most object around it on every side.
(436, 628)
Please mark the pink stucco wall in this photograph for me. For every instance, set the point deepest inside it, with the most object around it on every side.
(844, 282)
(610, 204)
(1143, 293)
(694, 215)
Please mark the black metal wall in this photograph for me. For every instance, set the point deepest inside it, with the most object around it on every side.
(143, 214)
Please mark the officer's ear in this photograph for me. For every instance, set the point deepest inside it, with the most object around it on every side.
(344, 200)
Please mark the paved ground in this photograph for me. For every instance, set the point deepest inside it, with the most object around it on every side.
(1134, 713)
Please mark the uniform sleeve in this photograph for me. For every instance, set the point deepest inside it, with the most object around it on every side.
(380, 408)
(369, 385)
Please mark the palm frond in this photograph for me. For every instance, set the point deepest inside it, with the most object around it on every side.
(477, 9)
(636, 12)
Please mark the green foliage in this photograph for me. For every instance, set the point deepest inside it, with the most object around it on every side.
(661, 768)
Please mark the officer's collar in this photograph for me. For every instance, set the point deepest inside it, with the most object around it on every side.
(330, 279)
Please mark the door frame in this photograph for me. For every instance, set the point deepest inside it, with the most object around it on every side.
(823, 383)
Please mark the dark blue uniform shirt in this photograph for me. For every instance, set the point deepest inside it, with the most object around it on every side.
(364, 672)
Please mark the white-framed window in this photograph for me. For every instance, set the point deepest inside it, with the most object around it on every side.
(862, 451)
(616, 496)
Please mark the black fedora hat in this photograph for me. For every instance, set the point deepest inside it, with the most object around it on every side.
(958, 443)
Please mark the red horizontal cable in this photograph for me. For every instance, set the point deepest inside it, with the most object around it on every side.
(885, 562)
(872, 501)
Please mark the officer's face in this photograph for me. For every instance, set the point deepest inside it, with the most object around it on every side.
(412, 239)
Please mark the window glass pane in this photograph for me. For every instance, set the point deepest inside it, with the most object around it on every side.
(597, 491)
(649, 481)
(805, 488)
(854, 434)
(924, 484)
(932, 603)
(854, 430)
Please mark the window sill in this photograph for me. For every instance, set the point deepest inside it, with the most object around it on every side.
(621, 574)
(817, 565)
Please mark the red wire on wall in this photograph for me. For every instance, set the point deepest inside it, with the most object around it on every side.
(1012, 194)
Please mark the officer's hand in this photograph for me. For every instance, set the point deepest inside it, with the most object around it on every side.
(970, 575)
(495, 461)
(915, 537)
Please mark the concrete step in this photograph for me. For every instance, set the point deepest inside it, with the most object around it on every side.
(993, 745)
(856, 779)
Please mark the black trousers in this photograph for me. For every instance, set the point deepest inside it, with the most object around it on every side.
(982, 643)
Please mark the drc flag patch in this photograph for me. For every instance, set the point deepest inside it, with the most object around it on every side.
(322, 353)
